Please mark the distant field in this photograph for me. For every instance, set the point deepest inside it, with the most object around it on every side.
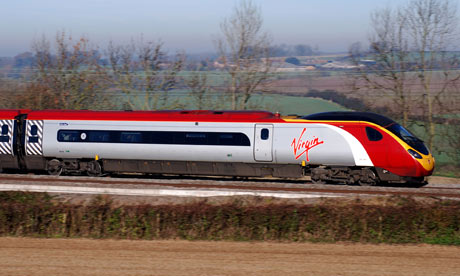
(297, 105)
(283, 104)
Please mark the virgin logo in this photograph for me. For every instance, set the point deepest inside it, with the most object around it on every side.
(300, 147)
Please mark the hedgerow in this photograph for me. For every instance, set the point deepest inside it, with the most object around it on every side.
(408, 221)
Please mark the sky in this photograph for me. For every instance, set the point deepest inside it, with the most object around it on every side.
(188, 25)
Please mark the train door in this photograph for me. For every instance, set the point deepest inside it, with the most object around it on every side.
(8, 158)
(34, 138)
(6, 137)
(263, 142)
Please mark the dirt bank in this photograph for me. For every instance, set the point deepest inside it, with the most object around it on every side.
(26, 256)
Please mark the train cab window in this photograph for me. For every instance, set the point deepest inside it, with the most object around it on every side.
(373, 134)
(264, 134)
(33, 130)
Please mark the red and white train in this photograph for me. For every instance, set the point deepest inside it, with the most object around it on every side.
(343, 147)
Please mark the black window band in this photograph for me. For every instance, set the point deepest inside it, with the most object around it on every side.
(154, 137)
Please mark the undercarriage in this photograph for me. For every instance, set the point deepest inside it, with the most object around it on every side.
(363, 176)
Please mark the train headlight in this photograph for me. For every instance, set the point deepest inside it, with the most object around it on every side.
(414, 154)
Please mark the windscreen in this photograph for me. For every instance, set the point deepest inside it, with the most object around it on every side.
(409, 138)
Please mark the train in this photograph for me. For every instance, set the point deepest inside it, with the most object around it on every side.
(353, 148)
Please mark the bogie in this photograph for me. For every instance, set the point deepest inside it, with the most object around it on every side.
(344, 175)
(54, 167)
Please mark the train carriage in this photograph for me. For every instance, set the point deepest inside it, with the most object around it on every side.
(345, 147)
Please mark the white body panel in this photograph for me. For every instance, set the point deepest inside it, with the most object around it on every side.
(289, 143)
(148, 151)
(318, 144)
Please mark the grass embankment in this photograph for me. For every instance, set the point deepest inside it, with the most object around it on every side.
(402, 221)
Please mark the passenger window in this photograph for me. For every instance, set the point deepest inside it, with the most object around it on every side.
(226, 136)
(196, 138)
(195, 135)
(5, 130)
(264, 134)
(131, 137)
(99, 136)
(68, 136)
(33, 130)
(373, 134)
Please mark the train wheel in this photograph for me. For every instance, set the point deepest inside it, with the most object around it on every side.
(54, 167)
(319, 175)
(94, 169)
(318, 181)
(367, 178)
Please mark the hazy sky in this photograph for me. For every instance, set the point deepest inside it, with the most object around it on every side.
(188, 25)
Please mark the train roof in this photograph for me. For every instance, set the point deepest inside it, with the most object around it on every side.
(351, 116)
(190, 115)
(171, 115)
(9, 114)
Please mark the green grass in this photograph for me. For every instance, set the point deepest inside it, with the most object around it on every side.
(181, 99)
(297, 105)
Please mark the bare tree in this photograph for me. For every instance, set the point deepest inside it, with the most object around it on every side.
(432, 26)
(69, 78)
(244, 50)
(450, 131)
(411, 63)
(10, 90)
(144, 75)
(389, 49)
(200, 89)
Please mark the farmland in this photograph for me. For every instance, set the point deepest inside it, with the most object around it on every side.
(28, 256)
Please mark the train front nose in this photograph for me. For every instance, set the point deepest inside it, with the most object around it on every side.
(425, 164)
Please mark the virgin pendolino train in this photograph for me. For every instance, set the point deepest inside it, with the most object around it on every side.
(332, 147)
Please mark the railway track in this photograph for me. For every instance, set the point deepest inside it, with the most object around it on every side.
(232, 187)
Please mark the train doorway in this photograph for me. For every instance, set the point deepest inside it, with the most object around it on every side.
(263, 142)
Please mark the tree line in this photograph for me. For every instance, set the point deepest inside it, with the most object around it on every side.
(69, 73)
